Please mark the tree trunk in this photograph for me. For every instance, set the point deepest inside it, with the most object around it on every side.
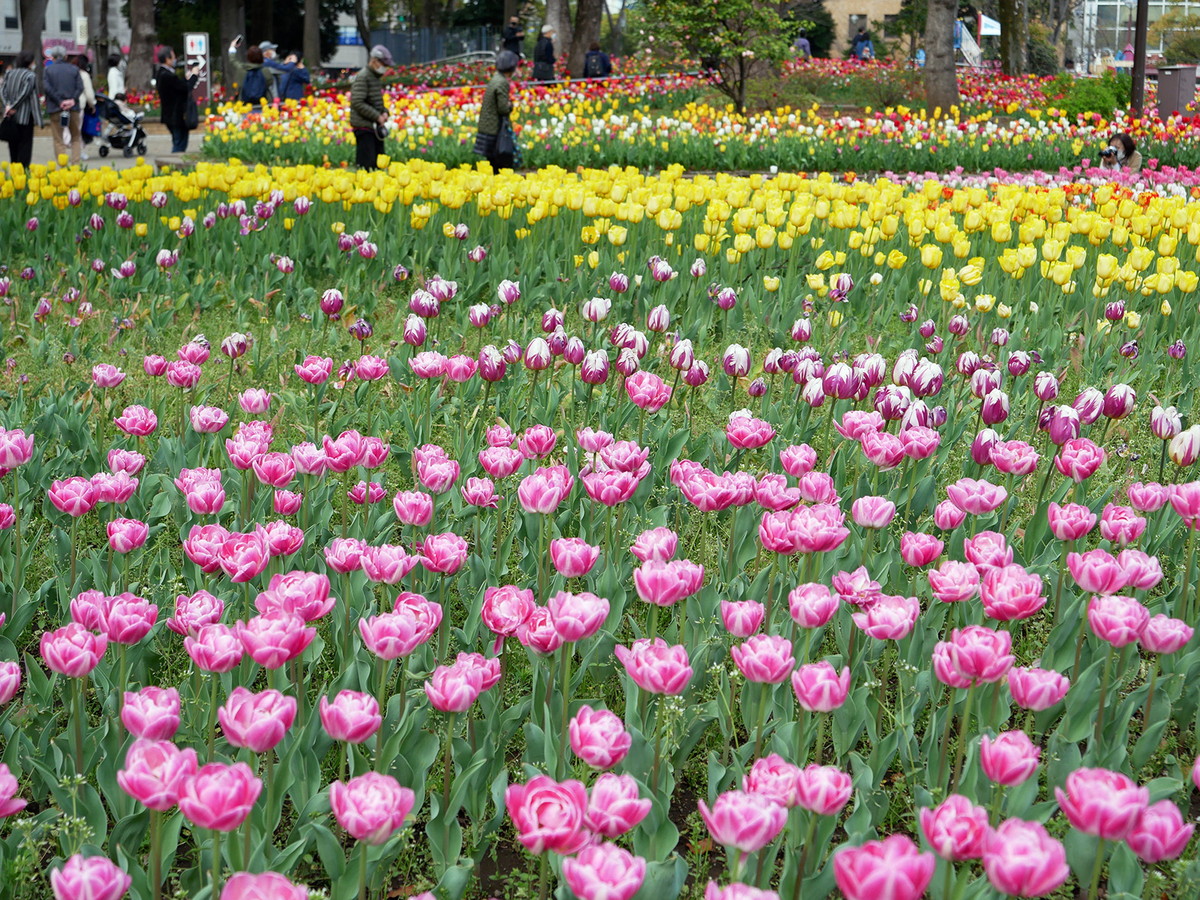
(587, 30)
(312, 33)
(1013, 36)
(941, 80)
(360, 19)
(558, 16)
(33, 23)
(232, 23)
(141, 45)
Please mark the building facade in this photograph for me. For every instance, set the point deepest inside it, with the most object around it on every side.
(62, 18)
(850, 15)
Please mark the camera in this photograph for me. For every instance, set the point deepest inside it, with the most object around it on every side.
(1108, 152)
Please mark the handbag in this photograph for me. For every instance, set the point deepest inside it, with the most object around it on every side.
(191, 114)
(9, 130)
(506, 141)
(91, 124)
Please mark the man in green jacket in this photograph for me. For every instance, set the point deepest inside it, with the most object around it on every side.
(367, 113)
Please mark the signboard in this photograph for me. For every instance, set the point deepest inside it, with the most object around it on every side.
(988, 27)
(81, 31)
(196, 56)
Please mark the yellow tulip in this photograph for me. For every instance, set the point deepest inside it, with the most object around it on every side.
(931, 256)
(896, 260)
(985, 302)
(617, 235)
(770, 283)
(825, 261)
(1186, 280)
(835, 317)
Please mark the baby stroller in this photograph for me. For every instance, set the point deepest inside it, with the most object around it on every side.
(121, 128)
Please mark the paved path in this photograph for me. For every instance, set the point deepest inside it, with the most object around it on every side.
(158, 149)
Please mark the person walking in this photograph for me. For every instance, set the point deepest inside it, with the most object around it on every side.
(367, 112)
(21, 108)
(495, 140)
(89, 126)
(543, 55)
(63, 85)
(173, 94)
(115, 76)
(513, 37)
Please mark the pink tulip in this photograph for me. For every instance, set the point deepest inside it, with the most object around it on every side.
(656, 543)
(244, 556)
(976, 498)
(1014, 457)
(537, 442)
(745, 821)
(544, 490)
(1079, 458)
(1022, 860)
(396, 634)
(1010, 593)
(1139, 570)
(577, 616)
(267, 886)
(480, 492)
(205, 498)
(1160, 833)
(10, 681)
(16, 448)
(257, 722)
(823, 790)
(371, 807)
(598, 737)
(352, 717)
(219, 797)
(203, 546)
(75, 496)
(1120, 525)
(888, 618)
(72, 650)
(742, 618)
(773, 777)
(1162, 634)
(1148, 497)
(1102, 803)
(10, 803)
(614, 806)
(444, 553)
(274, 638)
(666, 583)
(151, 713)
(1096, 572)
(812, 605)
(1009, 758)
(737, 891)
(155, 772)
(207, 419)
(604, 872)
(452, 689)
(1118, 620)
(957, 829)
(873, 512)
(764, 658)
(947, 516)
(988, 550)
(305, 594)
(1036, 689)
(506, 608)
(1071, 521)
(126, 618)
(655, 666)
(745, 432)
(137, 421)
(287, 503)
(548, 815)
(214, 648)
(821, 688)
(573, 557)
(917, 549)
(647, 391)
(386, 564)
(953, 582)
(125, 535)
(500, 462)
(92, 877)
(982, 655)
(892, 868)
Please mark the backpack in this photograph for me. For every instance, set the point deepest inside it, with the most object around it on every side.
(254, 88)
(592, 67)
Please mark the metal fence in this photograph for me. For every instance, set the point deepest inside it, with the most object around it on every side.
(422, 45)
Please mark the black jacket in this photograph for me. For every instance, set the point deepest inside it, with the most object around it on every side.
(544, 51)
(513, 36)
(173, 93)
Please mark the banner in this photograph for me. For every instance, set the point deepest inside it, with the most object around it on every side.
(988, 27)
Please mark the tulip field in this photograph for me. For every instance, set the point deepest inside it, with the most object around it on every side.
(432, 532)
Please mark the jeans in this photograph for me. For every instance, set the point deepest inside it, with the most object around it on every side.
(179, 139)
(20, 150)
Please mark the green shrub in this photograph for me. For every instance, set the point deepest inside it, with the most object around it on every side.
(1092, 95)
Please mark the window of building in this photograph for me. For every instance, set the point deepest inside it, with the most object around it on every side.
(890, 29)
(64, 16)
(12, 14)
(857, 21)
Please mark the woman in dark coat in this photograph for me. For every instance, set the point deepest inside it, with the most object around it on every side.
(543, 55)
(20, 98)
(174, 93)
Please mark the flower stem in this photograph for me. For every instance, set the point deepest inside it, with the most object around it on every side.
(216, 864)
(1097, 867)
(362, 871)
(962, 735)
(1103, 695)
(77, 694)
